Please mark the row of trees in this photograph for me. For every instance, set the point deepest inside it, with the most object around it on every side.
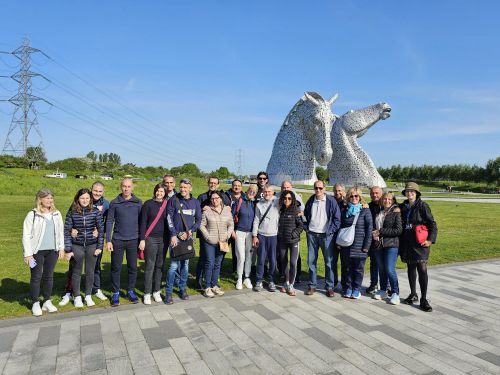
(456, 172)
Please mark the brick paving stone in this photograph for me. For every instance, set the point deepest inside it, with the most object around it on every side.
(217, 363)
(299, 369)
(119, 366)
(309, 359)
(167, 362)
(155, 338)
(355, 323)
(7, 340)
(93, 357)
(264, 361)
(265, 312)
(197, 368)
(458, 295)
(324, 338)
(130, 328)
(198, 315)
(3, 360)
(202, 343)
(490, 357)
(438, 365)
(171, 329)
(184, 350)
(149, 370)
(48, 336)
(44, 360)
(399, 335)
(68, 363)
(289, 329)
(237, 357)
(236, 304)
(90, 334)
(361, 362)
(161, 313)
(140, 355)
(145, 319)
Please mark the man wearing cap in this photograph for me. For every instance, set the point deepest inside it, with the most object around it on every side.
(184, 218)
(415, 213)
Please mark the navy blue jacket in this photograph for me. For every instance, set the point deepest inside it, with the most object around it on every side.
(124, 214)
(149, 211)
(245, 215)
(84, 223)
(362, 234)
(192, 214)
(332, 213)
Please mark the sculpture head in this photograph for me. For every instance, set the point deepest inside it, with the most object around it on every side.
(317, 118)
(357, 122)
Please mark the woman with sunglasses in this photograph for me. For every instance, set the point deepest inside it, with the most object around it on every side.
(216, 228)
(388, 228)
(353, 257)
(289, 229)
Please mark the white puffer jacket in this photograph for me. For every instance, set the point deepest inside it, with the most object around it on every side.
(34, 228)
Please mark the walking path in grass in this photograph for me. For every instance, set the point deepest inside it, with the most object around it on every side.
(426, 198)
(247, 332)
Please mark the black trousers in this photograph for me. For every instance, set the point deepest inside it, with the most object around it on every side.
(43, 272)
(83, 255)
(129, 248)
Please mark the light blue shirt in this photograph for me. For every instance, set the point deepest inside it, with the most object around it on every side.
(49, 238)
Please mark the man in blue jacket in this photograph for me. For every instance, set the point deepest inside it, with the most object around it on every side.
(181, 204)
(323, 220)
(123, 222)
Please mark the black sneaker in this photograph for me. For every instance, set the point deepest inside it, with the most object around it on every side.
(410, 299)
(371, 289)
(424, 306)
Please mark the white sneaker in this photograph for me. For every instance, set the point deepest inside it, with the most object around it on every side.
(36, 309)
(394, 299)
(99, 294)
(209, 293)
(89, 301)
(147, 299)
(380, 295)
(48, 306)
(217, 291)
(66, 298)
(78, 302)
(247, 283)
(157, 297)
(239, 284)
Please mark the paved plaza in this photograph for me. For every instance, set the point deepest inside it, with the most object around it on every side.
(271, 333)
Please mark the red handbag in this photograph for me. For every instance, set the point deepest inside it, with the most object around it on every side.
(421, 233)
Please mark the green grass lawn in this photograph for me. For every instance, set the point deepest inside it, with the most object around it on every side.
(467, 231)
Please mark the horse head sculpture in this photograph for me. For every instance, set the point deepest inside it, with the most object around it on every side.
(303, 141)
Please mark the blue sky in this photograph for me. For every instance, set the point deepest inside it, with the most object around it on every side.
(194, 81)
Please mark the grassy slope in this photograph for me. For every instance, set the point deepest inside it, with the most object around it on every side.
(467, 231)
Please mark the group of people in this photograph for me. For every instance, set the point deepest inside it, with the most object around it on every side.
(262, 228)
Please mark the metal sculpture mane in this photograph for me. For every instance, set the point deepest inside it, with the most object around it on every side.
(350, 165)
(304, 138)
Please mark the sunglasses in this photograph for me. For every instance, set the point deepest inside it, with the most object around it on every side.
(287, 198)
(355, 196)
(318, 188)
(262, 178)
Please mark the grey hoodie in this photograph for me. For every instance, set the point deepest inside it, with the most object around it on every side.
(269, 226)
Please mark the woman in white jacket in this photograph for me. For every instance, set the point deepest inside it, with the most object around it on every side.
(43, 244)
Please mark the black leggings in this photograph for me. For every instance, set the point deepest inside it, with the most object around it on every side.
(289, 272)
(423, 279)
(44, 270)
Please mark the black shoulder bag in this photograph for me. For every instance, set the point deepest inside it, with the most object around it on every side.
(184, 249)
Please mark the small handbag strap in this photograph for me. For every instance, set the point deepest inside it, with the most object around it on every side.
(182, 214)
(265, 213)
(157, 218)
(355, 219)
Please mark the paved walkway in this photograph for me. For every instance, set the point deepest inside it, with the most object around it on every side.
(247, 332)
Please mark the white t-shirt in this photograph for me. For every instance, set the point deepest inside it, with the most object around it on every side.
(319, 219)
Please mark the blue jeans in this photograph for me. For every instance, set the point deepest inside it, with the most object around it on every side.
(266, 251)
(183, 265)
(325, 242)
(200, 266)
(213, 263)
(386, 260)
